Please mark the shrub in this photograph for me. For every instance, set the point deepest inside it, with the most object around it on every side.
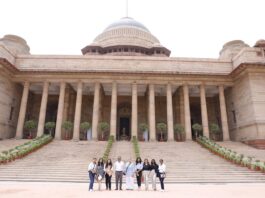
(179, 131)
(103, 128)
(67, 126)
(50, 126)
(162, 128)
(197, 128)
(30, 125)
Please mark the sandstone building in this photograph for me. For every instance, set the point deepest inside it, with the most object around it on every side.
(126, 77)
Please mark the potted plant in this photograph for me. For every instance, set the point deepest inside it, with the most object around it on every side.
(162, 128)
(179, 132)
(67, 126)
(215, 131)
(197, 128)
(30, 125)
(84, 126)
(103, 128)
(143, 128)
(50, 126)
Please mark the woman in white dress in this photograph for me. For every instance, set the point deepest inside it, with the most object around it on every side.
(129, 173)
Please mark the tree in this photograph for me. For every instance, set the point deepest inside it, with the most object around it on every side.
(215, 130)
(103, 128)
(179, 131)
(143, 127)
(67, 126)
(30, 125)
(84, 126)
(162, 128)
(50, 126)
(197, 128)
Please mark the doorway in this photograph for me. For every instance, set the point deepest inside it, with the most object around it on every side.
(124, 129)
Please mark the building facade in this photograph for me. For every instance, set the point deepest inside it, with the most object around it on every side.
(126, 78)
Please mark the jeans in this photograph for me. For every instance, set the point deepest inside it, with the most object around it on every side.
(92, 179)
(162, 182)
(108, 181)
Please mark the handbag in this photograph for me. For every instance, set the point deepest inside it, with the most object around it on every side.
(163, 175)
(99, 178)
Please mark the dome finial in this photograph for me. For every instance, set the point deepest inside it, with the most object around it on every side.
(127, 8)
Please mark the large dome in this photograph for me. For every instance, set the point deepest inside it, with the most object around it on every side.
(124, 37)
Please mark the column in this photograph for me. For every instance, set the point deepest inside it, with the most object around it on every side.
(170, 128)
(22, 111)
(223, 114)
(78, 106)
(152, 123)
(43, 108)
(95, 117)
(134, 110)
(113, 111)
(59, 119)
(187, 112)
(204, 113)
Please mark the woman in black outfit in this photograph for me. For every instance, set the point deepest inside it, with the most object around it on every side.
(146, 172)
(139, 169)
(109, 172)
(154, 173)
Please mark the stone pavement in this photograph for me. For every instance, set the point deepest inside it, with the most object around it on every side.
(78, 190)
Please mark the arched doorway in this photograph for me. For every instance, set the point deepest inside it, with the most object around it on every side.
(124, 122)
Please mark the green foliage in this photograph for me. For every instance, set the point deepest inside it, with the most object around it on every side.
(103, 126)
(85, 126)
(67, 125)
(214, 128)
(108, 148)
(143, 127)
(24, 149)
(50, 126)
(161, 127)
(230, 155)
(30, 125)
(136, 147)
(197, 127)
(178, 129)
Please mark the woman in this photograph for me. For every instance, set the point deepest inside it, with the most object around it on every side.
(153, 173)
(146, 172)
(100, 172)
(108, 173)
(162, 173)
(139, 169)
(92, 170)
(129, 173)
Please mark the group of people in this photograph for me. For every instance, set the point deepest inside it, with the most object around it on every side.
(143, 171)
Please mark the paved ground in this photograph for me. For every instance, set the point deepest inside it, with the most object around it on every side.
(11, 143)
(76, 190)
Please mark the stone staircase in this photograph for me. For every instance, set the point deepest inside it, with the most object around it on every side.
(123, 149)
(64, 161)
(258, 144)
(188, 162)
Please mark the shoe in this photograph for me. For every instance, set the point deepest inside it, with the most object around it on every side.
(162, 190)
(91, 190)
(120, 188)
(116, 188)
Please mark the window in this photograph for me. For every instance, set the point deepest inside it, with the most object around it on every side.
(11, 113)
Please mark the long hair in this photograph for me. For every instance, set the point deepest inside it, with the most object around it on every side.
(146, 161)
(138, 160)
(100, 162)
(153, 162)
(108, 163)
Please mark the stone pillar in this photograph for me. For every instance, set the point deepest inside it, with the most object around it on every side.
(22, 111)
(113, 111)
(170, 126)
(152, 121)
(59, 119)
(78, 106)
(95, 117)
(43, 108)
(223, 114)
(134, 110)
(187, 112)
(204, 113)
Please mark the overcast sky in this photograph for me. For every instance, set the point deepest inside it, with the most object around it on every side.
(189, 28)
